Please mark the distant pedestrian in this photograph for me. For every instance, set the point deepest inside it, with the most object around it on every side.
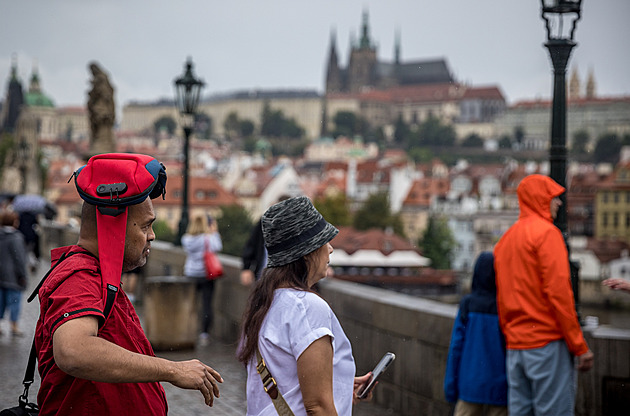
(255, 254)
(29, 227)
(475, 370)
(536, 306)
(202, 234)
(13, 273)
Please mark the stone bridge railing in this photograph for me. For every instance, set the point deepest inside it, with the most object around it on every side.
(417, 330)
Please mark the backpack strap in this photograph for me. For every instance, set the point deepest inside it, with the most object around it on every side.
(110, 290)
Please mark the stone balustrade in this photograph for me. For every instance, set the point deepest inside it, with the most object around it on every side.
(417, 330)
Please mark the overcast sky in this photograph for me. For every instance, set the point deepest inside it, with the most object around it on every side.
(265, 44)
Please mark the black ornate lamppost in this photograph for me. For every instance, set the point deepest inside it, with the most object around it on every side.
(561, 17)
(187, 89)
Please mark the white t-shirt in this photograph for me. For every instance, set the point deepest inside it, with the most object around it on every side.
(296, 319)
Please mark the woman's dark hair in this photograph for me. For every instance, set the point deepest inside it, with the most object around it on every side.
(293, 275)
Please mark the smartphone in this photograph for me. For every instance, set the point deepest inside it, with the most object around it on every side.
(380, 368)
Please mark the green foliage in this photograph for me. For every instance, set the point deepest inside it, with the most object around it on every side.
(275, 124)
(431, 132)
(231, 124)
(505, 142)
(287, 146)
(437, 243)
(401, 131)
(580, 141)
(349, 124)
(519, 134)
(163, 232)
(203, 126)
(421, 154)
(473, 140)
(246, 128)
(235, 225)
(607, 149)
(165, 123)
(376, 213)
(335, 209)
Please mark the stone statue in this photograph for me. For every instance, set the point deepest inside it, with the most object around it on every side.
(102, 112)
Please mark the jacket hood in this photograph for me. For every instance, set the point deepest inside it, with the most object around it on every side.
(483, 275)
(483, 297)
(535, 193)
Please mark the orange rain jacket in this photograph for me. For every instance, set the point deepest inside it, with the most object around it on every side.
(534, 295)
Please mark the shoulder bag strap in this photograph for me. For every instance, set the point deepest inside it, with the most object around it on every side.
(271, 387)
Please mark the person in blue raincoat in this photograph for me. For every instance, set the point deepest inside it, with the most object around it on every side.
(475, 370)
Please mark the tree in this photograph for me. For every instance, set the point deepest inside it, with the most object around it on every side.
(505, 142)
(246, 128)
(376, 213)
(437, 243)
(348, 124)
(335, 209)
(401, 131)
(203, 125)
(432, 132)
(235, 225)
(275, 124)
(163, 232)
(231, 124)
(473, 140)
(580, 141)
(519, 134)
(607, 149)
(165, 123)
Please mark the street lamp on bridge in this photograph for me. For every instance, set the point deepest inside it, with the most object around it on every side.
(561, 17)
(187, 90)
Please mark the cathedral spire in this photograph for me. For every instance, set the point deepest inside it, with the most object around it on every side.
(14, 67)
(590, 84)
(397, 47)
(35, 86)
(333, 75)
(365, 33)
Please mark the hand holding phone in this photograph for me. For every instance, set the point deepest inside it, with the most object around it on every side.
(380, 368)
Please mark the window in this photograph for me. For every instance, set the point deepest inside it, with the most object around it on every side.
(615, 220)
(605, 219)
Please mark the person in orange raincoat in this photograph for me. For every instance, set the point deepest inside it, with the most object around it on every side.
(536, 307)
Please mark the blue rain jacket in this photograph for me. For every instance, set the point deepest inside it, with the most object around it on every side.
(475, 368)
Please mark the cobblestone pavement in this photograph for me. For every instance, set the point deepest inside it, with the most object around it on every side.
(14, 353)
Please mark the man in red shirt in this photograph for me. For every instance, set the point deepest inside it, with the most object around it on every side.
(536, 307)
(93, 361)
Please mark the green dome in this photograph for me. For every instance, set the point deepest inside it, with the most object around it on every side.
(37, 99)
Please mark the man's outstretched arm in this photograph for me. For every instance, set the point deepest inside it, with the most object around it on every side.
(79, 352)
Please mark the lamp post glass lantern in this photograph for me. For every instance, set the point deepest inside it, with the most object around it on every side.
(561, 18)
(187, 92)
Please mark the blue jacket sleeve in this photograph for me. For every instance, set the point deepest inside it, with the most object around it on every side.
(451, 390)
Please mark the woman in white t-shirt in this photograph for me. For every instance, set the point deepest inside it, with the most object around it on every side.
(296, 332)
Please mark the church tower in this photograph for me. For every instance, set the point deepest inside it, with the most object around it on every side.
(591, 85)
(574, 85)
(334, 83)
(362, 66)
(13, 101)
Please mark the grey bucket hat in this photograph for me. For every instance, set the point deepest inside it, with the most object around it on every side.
(294, 228)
